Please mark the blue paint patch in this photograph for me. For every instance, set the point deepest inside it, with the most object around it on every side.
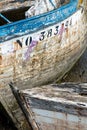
(36, 23)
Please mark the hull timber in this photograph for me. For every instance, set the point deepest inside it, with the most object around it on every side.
(49, 54)
(57, 107)
(43, 61)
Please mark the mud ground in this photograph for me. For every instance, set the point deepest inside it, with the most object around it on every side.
(79, 72)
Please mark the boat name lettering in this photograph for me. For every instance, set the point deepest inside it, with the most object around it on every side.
(57, 30)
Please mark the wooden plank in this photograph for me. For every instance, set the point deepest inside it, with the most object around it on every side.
(59, 98)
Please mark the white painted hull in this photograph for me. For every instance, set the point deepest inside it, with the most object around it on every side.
(45, 55)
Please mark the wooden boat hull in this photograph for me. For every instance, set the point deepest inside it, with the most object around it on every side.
(56, 107)
(45, 55)
(58, 42)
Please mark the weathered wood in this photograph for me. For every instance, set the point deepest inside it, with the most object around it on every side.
(53, 105)
(56, 58)
(28, 116)
(68, 98)
(9, 103)
(47, 61)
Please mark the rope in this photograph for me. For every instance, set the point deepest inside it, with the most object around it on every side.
(52, 4)
(4, 18)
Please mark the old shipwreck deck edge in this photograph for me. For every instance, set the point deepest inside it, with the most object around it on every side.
(56, 106)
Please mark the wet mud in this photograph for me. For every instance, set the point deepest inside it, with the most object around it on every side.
(79, 72)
